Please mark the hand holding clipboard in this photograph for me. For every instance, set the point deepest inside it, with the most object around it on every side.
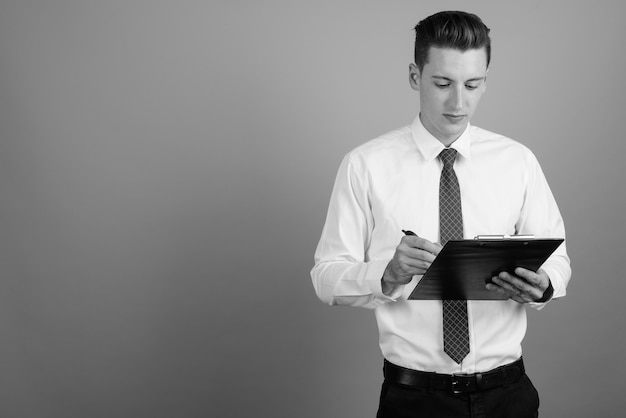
(463, 267)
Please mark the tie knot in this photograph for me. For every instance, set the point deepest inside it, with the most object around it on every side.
(448, 155)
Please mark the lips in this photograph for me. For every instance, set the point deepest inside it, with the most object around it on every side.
(454, 118)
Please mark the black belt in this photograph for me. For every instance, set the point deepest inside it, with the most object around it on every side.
(455, 383)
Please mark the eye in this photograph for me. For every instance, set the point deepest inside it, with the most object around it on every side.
(442, 85)
(471, 86)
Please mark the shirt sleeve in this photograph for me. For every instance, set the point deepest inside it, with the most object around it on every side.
(540, 216)
(342, 274)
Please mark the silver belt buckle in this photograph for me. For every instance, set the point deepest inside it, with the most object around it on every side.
(461, 383)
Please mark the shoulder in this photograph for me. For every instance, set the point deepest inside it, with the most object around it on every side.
(383, 149)
(485, 142)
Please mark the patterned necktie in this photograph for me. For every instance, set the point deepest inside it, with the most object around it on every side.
(455, 331)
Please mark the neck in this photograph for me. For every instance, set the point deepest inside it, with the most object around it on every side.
(446, 140)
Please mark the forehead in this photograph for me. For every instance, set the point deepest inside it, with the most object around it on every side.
(456, 64)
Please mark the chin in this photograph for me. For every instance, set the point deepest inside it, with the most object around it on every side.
(455, 132)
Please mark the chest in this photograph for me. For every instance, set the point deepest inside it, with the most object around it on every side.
(407, 196)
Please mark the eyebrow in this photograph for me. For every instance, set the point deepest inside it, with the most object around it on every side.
(440, 77)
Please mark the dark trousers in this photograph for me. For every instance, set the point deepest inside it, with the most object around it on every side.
(517, 400)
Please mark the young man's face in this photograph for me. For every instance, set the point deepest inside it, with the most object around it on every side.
(450, 86)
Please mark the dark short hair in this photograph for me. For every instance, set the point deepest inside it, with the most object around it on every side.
(451, 29)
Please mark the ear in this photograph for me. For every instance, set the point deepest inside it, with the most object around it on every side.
(414, 77)
(485, 81)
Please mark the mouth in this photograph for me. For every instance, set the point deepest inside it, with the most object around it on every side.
(454, 118)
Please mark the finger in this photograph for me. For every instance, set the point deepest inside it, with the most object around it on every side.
(414, 264)
(421, 255)
(529, 282)
(520, 299)
(519, 287)
(409, 252)
(497, 289)
(517, 297)
(417, 242)
(431, 247)
(512, 284)
(528, 275)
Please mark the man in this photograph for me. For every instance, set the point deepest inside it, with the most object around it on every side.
(395, 183)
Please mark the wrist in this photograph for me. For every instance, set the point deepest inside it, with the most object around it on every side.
(386, 287)
(385, 284)
(547, 295)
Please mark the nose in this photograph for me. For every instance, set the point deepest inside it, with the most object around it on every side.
(455, 101)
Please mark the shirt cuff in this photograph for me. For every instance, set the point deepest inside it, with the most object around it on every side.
(547, 296)
(375, 272)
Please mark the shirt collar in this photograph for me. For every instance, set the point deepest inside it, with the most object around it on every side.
(430, 147)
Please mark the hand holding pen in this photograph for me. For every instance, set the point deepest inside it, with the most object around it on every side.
(412, 257)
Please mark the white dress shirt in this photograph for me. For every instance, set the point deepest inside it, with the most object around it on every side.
(392, 183)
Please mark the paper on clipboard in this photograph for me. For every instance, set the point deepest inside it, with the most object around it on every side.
(463, 267)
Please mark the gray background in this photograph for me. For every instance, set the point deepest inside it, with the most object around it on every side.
(165, 169)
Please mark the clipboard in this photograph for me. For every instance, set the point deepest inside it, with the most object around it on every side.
(463, 267)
